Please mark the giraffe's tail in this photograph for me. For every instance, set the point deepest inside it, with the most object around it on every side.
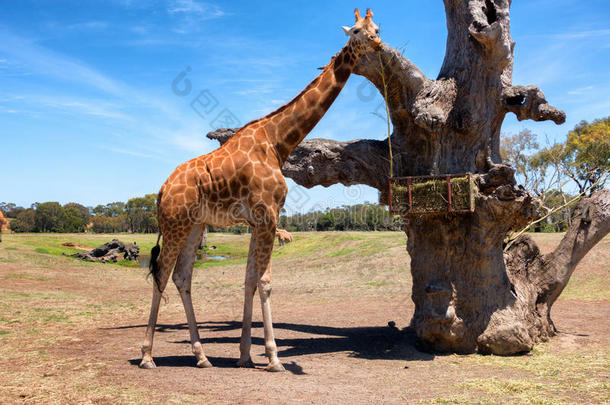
(153, 265)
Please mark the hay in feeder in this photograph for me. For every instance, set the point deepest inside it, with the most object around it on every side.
(431, 195)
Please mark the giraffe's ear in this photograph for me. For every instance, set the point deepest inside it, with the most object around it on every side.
(346, 30)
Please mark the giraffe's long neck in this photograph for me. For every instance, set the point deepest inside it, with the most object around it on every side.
(289, 125)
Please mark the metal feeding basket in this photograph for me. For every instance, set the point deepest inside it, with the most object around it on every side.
(431, 194)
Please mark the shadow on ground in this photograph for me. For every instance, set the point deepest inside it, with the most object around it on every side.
(375, 343)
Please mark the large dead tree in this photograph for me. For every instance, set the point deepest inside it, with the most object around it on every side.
(469, 294)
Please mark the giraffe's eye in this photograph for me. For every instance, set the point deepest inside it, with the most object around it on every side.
(356, 31)
(377, 31)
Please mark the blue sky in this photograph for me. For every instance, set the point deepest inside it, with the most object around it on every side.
(87, 111)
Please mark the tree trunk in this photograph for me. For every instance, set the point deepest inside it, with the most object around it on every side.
(469, 296)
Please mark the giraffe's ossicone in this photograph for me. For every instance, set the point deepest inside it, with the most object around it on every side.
(242, 182)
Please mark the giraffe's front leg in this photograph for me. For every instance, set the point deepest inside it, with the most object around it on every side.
(264, 249)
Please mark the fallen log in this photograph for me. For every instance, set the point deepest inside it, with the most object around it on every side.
(110, 252)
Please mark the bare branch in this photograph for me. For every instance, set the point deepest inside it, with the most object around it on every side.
(591, 222)
(428, 101)
(528, 102)
(324, 162)
(222, 134)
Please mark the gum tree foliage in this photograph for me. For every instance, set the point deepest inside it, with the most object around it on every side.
(583, 158)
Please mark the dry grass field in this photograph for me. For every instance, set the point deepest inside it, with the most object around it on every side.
(70, 331)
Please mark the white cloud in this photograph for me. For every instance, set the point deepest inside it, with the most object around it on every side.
(584, 34)
(581, 91)
(96, 108)
(127, 152)
(189, 14)
(196, 144)
(201, 9)
(89, 25)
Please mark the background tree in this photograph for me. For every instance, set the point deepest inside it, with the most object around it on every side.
(72, 220)
(469, 295)
(10, 210)
(517, 150)
(113, 209)
(25, 221)
(142, 213)
(541, 174)
(84, 212)
(556, 173)
(584, 157)
(104, 224)
(76, 217)
(49, 217)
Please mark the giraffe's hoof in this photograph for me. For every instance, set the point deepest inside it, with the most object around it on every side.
(147, 364)
(245, 363)
(204, 364)
(275, 367)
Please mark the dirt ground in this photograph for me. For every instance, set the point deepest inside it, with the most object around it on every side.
(70, 332)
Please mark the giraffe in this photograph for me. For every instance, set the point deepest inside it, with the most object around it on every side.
(242, 182)
(2, 223)
(283, 236)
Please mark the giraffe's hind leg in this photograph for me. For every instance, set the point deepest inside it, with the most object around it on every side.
(245, 342)
(182, 278)
(171, 246)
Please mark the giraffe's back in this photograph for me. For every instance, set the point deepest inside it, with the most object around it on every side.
(221, 188)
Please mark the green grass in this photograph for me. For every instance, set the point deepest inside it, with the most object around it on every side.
(128, 263)
(206, 263)
(341, 252)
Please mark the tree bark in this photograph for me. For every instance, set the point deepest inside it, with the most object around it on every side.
(538, 279)
(469, 296)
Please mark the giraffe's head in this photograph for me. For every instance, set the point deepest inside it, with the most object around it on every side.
(364, 35)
